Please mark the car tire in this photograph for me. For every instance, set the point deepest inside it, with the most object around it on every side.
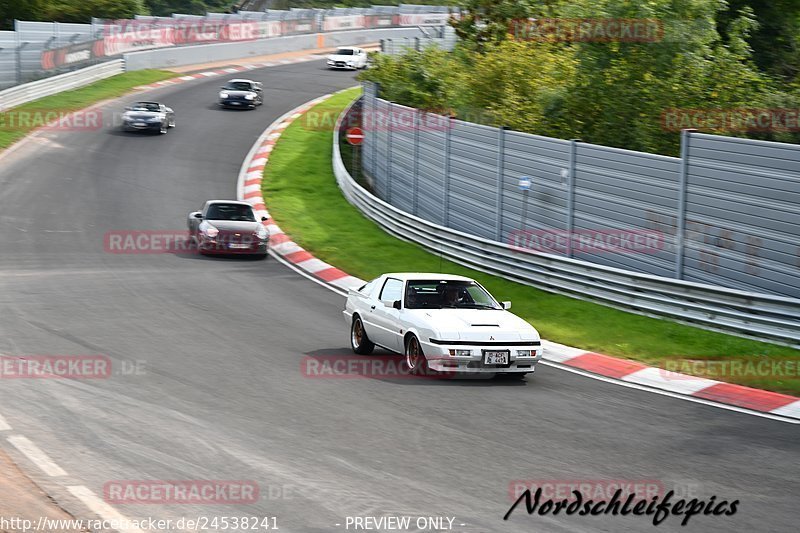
(163, 128)
(359, 341)
(172, 123)
(415, 360)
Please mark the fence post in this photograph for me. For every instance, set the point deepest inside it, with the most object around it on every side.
(447, 140)
(389, 156)
(375, 124)
(680, 220)
(571, 173)
(501, 146)
(415, 192)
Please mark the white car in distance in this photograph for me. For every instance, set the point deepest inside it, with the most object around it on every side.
(443, 323)
(348, 57)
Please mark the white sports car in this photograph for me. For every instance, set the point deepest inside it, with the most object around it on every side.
(348, 58)
(442, 323)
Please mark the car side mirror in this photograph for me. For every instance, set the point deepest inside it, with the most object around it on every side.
(507, 305)
(264, 219)
(397, 304)
(198, 215)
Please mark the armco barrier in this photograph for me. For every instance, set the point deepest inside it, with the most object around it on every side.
(190, 55)
(28, 92)
(757, 315)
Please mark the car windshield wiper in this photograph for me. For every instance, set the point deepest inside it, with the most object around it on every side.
(478, 306)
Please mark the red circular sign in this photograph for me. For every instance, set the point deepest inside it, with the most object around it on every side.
(355, 136)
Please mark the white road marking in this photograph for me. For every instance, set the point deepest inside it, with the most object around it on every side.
(101, 508)
(3, 424)
(663, 379)
(36, 456)
(792, 410)
(668, 393)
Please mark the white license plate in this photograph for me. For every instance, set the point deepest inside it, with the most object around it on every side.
(239, 246)
(139, 124)
(495, 357)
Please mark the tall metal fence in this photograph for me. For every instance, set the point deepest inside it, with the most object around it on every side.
(726, 213)
(443, 36)
(38, 50)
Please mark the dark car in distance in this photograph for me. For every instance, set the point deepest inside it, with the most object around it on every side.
(228, 227)
(240, 93)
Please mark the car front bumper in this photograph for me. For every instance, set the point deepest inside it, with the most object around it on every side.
(439, 358)
(207, 246)
(142, 126)
(249, 104)
(341, 65)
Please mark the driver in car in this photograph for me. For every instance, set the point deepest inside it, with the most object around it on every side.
(453, 295)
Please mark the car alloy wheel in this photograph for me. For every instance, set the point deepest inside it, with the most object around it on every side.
(359, 341)
(415, 359)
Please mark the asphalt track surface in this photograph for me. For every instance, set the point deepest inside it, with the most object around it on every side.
(221, 341)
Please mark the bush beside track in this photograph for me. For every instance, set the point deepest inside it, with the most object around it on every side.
(12, 129)
(303, 198)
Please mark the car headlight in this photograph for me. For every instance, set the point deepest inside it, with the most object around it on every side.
(210, 232)
(262, 232)
(223, 94)
(526, 353)
(249, 96)
(460, 353)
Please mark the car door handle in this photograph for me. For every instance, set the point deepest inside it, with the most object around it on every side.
(372, 307)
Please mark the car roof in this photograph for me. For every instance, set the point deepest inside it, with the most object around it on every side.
(405, 276)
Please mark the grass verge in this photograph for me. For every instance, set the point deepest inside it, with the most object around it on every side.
(17, 122)
(302, 195)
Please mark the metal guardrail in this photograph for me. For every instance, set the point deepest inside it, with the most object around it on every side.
(765, 317)
(34, 90)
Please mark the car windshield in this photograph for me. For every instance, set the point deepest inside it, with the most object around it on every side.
(230, 212)
(436, 294)
(345, 52)
(144, 106)
(239, 86)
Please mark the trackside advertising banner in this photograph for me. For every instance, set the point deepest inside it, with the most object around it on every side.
(425, 19)
(132, 35)
(74, 54)
(344, 22)
(297, 26)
